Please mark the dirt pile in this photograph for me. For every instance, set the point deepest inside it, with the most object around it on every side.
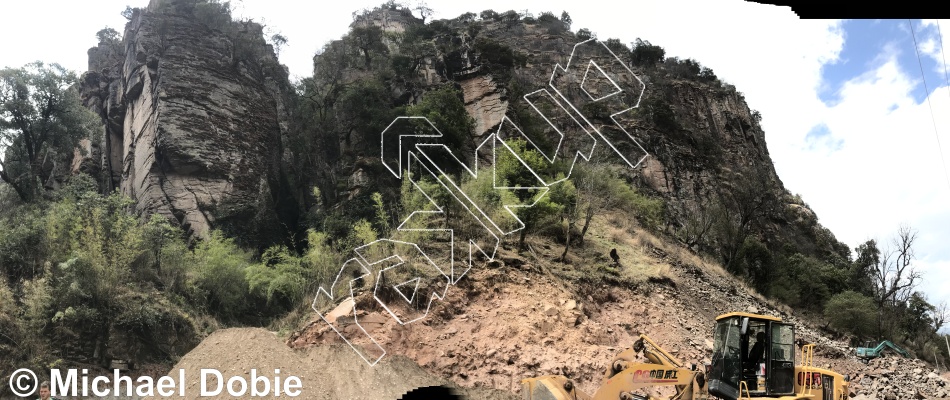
(892, 378)
(326, 372)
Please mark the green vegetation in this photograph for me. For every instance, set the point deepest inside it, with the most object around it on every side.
(83, 277)
(41, 121)
(852, 311)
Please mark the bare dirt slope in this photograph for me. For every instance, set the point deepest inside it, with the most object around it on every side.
(519, 317)
(527, 315)
(326, 372)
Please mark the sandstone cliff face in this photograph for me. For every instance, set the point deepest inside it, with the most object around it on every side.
(710, 144)
(193, 117)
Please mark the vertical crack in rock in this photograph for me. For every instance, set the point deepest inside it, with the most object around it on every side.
(193, 117)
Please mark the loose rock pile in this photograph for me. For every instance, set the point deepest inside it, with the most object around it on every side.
(894, 378)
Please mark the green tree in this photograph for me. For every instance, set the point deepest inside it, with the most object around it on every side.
(539, 208)
(444, 108)
(758, 264)
(107, 35)
(584, 34)
(917, 318)
(278, 41)
(645, 54)
(368, 41)
(424, 10)
(566, 19)
(745, 206)
(868, 256)
(42, 120)
(853, 312)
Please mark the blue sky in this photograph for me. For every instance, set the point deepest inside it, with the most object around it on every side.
(866, 46)
(843, 103)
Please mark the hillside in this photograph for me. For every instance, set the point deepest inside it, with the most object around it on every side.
(520, 318)
(493, 197)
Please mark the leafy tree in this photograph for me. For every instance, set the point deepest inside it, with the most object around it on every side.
(868, 256)
(368, 40)
(645, 54)
(511, 173)
(566, 19)
(853, 312)
(918, 316)
(600, 188)
(42, 120)
(551, 22)
(758, 264)
(584, 34)
(444, 108)
(107, 35)
(214, 14)
(278, 41)
(424, 10)
(745, 206)
(706, 75)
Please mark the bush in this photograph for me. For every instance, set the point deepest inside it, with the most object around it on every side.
(852, 312)
(213, 14)
(219, 275)
(645, 54)
(108, 36)
(584, 34)
(281, 277)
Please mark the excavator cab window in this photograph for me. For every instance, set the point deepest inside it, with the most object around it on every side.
(781, 374)
(726, 367)
(755, 361)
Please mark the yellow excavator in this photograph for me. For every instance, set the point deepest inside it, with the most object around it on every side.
(740, 369)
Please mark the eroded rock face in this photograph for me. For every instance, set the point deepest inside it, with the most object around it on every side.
(485, 102)
(193, 117)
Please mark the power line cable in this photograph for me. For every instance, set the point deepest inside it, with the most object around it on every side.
(927, 93)
(943, 54)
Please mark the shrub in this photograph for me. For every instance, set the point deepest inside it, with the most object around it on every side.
(219, 275)
(645, 54)
(852, 312)
(584, 34)
(281, 277)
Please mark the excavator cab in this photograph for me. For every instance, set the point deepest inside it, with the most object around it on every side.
(753, 355)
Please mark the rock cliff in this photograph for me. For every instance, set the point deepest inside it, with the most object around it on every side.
(704, 142)
(194, 107)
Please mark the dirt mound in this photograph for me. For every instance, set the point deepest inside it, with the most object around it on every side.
(325, 372)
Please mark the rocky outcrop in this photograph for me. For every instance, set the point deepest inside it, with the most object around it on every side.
(702, 138)
(193, 117)
(485, 102)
